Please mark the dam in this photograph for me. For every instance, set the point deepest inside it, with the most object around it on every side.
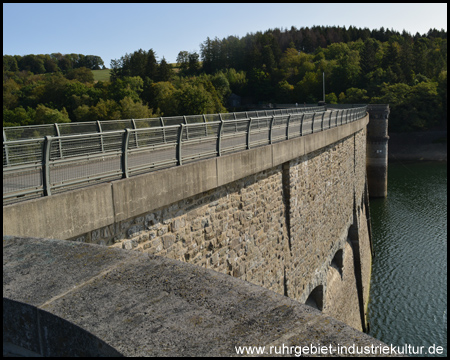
(290, 216)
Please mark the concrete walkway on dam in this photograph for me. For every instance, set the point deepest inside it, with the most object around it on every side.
(63, 298)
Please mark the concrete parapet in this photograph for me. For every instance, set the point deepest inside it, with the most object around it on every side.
(61, 215)
(135, 195)
(142, 305)
(236, 166)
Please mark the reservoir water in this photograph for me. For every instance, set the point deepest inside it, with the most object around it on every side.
(408, 295)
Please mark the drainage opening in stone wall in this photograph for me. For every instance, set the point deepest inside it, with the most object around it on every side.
(315, 299)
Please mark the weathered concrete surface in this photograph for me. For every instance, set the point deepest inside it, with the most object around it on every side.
(244, 163)
(144, 305)
(135, 195)
(30, 331)
(61, 215)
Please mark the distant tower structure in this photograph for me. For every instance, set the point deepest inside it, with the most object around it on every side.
(377, 149)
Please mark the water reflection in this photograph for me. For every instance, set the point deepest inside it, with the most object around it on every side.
(408, 299)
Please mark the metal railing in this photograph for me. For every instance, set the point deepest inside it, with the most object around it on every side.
(101, 126)
(44, 166)
(63, 129)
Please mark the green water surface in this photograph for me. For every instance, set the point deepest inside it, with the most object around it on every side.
(408, 295)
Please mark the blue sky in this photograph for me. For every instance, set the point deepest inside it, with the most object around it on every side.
(111, 30)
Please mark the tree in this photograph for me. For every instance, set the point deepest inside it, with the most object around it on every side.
(442, 91)
(289, 63)
(81, 74)
(268, 58)
(19, 116)
(50, 65)
(208, 56)
(83, 113)
(237, 81)
(391, 60)
(368, 60)
(259, 85)
(331, 98)
(284, 92)
(192, 100)
(183, 61)
(116, 71)
(222, 86)
(407, 61)
(11, 94)
(105, 110)
(163, 100)
(32, 63)
(92, 62)
(420, 60)
(45, 115)
(346, 72)
(165, 71)
(356, 96)
(194, 64)
(65, 63)
(131, 86)
(309, 89)
(134, 110)
(10, 63)
(136, 63)
(151, 66)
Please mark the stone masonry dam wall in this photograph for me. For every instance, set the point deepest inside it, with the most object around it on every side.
(290, 217)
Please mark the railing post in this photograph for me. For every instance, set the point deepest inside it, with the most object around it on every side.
(6, 148)
(312, 122)
(125, 142)
(99, 128)
(287, 127)
(135, 133)
(271, 129)
(342, 115)
(179, 138)
(235, 123)
(59, 141)
(321, 124)
(336, 120)
(301, 124)
(204, 120)
(161, 122)
(185, 122)
(248, 132)
(46, 166)
(329, 120)
(219, 137)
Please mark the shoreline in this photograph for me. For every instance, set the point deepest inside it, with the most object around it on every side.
(418, 146)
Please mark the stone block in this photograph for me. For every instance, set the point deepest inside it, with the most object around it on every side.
(168, 240)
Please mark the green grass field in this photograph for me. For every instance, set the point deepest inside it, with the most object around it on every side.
(101, 75)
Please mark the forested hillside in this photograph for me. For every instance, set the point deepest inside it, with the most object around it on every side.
(279, 66)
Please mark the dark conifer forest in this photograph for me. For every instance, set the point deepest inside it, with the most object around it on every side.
(281, 66)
